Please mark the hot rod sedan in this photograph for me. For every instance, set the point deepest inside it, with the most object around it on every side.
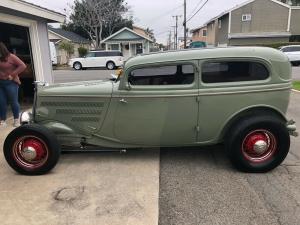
(236, 96)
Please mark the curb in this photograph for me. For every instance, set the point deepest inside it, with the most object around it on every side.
(295, 91)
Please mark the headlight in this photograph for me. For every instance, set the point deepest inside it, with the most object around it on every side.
(25, 118)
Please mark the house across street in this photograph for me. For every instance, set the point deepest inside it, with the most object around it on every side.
(247, 24)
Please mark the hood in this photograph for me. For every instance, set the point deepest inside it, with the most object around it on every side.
(78, 89)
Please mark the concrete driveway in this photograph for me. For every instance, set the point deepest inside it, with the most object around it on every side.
(83, 189)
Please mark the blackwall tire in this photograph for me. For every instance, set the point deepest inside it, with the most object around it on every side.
(258, 144)
(31, 150)
(77, 66)
(110, 65)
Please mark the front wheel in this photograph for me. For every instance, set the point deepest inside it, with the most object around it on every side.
(110, 65)
(31, 150)
(77, 66)
(258, 144)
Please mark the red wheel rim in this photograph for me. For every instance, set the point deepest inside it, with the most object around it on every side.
(30, 152)
(259, 146)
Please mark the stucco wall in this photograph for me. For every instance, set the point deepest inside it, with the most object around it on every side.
(295, 22)
(222, 37)
(198, 35)
(211, 33)
(254, 41)
(267, 16)
(45, 49)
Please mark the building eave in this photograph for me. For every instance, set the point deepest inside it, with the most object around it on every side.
(32, 9)
(123, 29)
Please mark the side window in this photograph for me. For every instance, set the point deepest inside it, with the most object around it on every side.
(100, 54)
(233, 71)
(91, 54)
(164, 75)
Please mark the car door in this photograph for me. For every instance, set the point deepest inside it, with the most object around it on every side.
(157, 105)
(88, 61)
(101, 59)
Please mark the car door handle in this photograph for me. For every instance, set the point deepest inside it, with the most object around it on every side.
(123, 101)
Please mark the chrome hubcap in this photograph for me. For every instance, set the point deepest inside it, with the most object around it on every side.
(260, 147)
(29, 153)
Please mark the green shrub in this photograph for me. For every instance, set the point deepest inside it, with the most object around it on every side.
(82, 51)
(68, 47)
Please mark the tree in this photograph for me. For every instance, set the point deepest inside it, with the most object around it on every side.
(97, 19)
(68, 47)
(150, 34)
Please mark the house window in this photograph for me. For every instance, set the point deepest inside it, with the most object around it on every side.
(220, 24)
(233, 71)
(114, 47)
(204, 33)
(163, 75)
(246, 17)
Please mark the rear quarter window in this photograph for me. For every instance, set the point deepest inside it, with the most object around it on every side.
(233, 71)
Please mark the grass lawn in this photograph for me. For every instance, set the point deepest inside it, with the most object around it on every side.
(296, 85)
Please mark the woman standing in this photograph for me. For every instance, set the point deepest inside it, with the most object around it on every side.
(10, 68)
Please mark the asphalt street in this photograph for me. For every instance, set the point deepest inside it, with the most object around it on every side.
(70, 75)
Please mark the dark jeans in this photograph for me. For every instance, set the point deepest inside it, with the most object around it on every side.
(9, 94)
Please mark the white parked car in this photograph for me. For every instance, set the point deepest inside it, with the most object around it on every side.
(293, 53)
(108, 59)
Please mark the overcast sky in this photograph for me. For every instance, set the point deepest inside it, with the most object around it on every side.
(157, 14)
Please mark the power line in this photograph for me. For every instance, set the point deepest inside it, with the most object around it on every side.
(166, 13)
(194, 10)
(197, 11)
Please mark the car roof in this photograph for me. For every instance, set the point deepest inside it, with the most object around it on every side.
(207, 53)
(290, 46)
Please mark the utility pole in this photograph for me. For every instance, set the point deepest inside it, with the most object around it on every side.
(170, 40)
(184, 24)
(174, 46)
(176, 28)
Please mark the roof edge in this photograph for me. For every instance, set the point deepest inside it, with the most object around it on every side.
(32, 9)
(128, 29)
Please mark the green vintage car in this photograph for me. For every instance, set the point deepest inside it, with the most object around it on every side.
(236, 96)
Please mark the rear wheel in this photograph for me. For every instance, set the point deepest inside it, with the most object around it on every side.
(258, 144)
(77, 66)
(110, 65)
(31, 150)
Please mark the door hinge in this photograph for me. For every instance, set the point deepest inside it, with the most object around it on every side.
(197, 128)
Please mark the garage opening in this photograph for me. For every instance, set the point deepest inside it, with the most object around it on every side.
(17, 40)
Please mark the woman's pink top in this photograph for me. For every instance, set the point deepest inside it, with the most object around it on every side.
(12, 67)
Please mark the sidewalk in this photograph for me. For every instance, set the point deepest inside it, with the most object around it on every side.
(83, 189)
